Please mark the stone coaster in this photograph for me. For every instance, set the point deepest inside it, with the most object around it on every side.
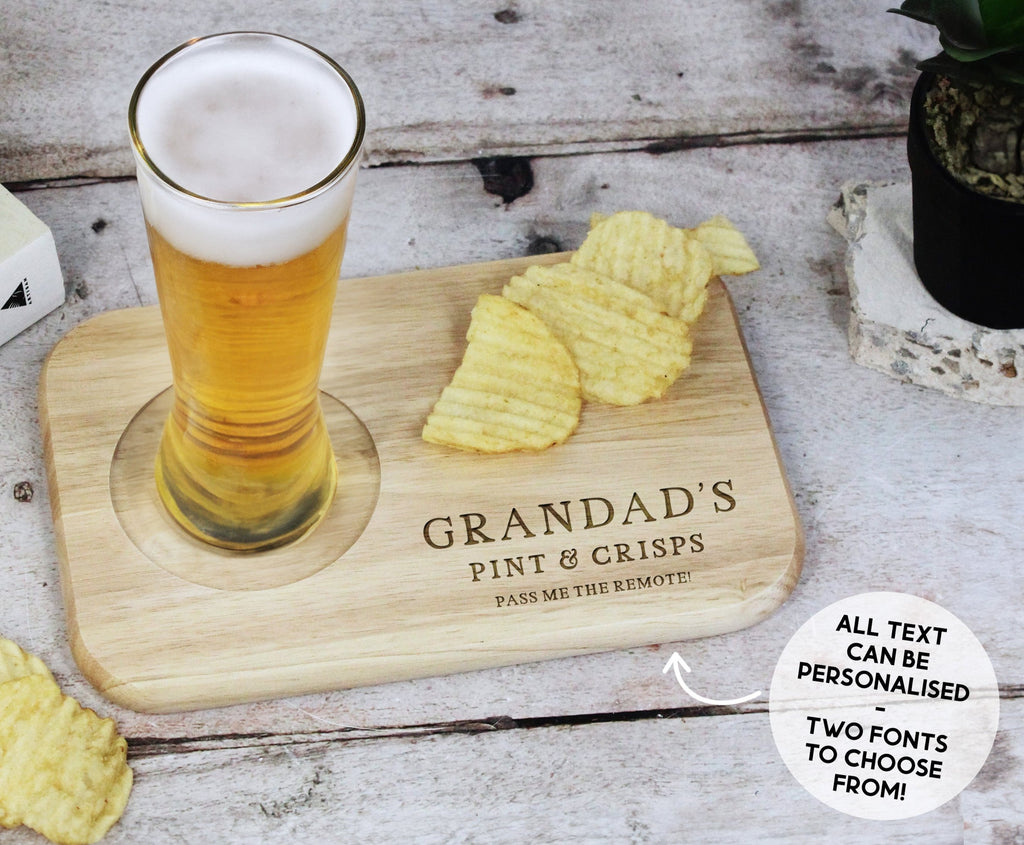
(896, 327)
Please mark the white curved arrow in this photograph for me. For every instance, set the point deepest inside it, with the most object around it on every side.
(675, 662)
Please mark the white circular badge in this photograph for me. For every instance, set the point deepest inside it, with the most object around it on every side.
(884, 705)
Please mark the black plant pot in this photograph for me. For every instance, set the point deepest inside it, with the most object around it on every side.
(968, 247)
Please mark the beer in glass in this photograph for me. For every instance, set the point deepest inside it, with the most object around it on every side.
(247, 147)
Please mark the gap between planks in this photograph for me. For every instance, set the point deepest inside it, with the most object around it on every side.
(140, 747)
(651, 146)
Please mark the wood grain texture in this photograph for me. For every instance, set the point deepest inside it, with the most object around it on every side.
(416, 216)
(897, 488)
(663, 522)
(517, 78)
(674, 779)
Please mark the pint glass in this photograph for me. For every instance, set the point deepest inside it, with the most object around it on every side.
(247, 147)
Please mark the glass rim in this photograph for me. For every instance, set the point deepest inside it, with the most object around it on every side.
(346, 163)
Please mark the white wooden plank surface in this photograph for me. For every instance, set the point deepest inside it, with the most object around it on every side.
(516, 77)
(898, 487)
(872, 462)
(785, 309)
(701, 780)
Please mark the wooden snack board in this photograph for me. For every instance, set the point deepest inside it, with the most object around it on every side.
(652, 524)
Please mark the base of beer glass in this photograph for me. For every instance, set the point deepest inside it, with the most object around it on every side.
(160, 538)
(306, 514)
(220, 511)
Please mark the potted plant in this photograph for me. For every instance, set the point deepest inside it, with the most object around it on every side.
(967, 160)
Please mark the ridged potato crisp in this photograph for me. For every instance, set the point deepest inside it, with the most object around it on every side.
(63, 770)
(668, 264)
(627, 349)
(618, 314)
(517, 387)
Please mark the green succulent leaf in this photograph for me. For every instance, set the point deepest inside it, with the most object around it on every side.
(1006, 68)
(960, 23)
(919, 10)
(981, 39)
(971, 55)
(971, 24)
(1004, 22)
(944, 65)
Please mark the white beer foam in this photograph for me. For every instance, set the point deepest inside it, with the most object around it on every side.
(246, 118)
